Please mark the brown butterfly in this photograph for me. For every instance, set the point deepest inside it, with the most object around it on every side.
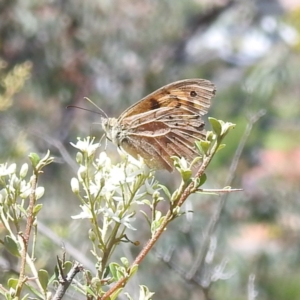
(163, 124)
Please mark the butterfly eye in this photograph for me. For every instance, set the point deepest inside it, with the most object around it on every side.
(118, 134)
(193, 94)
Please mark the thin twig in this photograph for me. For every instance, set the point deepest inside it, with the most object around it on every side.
(25, 237)
(216, 216)
(169, 216)
(215, 191)
(65, 281)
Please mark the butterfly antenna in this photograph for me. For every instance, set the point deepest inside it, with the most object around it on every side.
(78, 107)
(101, 113)
(101, 110)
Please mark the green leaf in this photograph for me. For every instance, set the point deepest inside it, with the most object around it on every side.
(157, 222)
(67, 266)
(22, 209)
(145, 294)
(216, 126)
(227, 127)
(46, 160)
(133, 270)
(11, 245)
(117, 271)
(203, 146)
(43, 279)
(176, 161)
(114, 270)
(125, 262)
(221, 146)
(146, 202)
(210, 136)
(128, 296)
(12, 283)
(56, 272)
(166, 190)
(175, 195)
(195, 161)
(202, 179)
(96, 284)
(34, 290)
(199, 181)
(106, 272)
(37, 208)
(35, 159)
(186, 175)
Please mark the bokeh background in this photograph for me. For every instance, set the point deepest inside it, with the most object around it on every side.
(55, 53)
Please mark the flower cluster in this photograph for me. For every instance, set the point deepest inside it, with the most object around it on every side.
(109, 194)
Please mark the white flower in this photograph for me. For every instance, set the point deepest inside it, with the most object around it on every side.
(85, 214)
(115, 178)
(4, 170)
(103, 160)
(94, 189)
(125, 220)
(133, 163)
(149, 186)
(25, 189)
(87, 146)
(108, 212)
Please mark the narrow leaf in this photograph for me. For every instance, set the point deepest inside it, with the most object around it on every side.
(34, 158)
(11, 246)
(43, 279)
(216, 125)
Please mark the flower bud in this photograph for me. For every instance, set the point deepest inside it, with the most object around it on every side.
(75, 185)
(24, 170)
(39, 192)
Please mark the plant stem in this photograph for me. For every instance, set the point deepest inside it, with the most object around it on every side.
(26, 236)
(168, 218)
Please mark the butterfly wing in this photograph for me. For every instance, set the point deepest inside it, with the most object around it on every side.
(192, 94)
(167, 122)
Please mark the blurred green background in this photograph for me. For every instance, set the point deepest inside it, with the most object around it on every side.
(55, 53)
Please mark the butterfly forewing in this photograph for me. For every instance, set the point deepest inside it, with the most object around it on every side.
(166, 123)
(189, 93)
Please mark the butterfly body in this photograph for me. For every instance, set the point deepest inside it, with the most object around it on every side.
(163, 124)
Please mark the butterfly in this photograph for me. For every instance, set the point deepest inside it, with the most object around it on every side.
(165, 123)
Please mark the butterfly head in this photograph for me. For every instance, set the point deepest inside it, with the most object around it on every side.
(112, 129)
